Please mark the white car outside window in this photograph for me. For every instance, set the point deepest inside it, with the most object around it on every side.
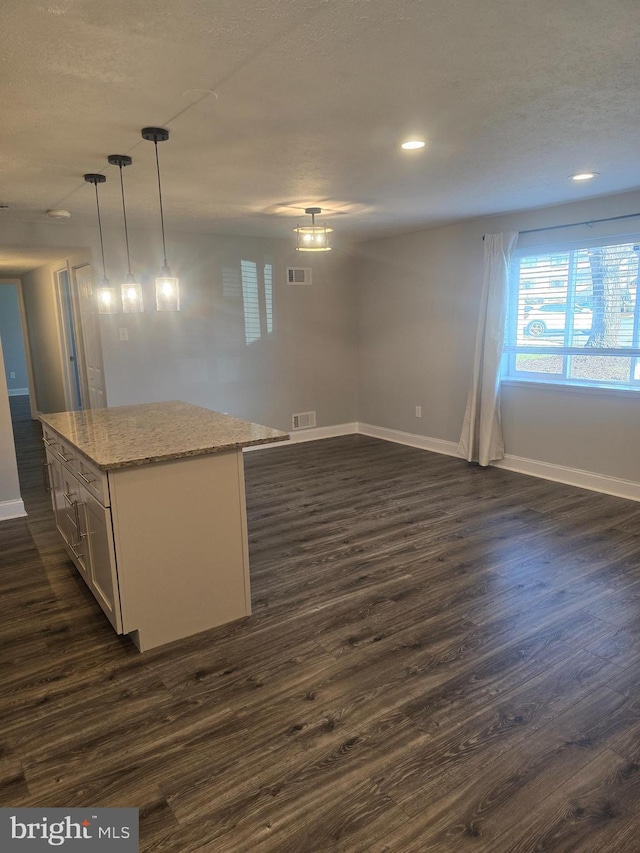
(551, 318)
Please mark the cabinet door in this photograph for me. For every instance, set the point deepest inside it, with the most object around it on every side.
(54, 482)
(103, 578)
(61, 505)
(72, 516)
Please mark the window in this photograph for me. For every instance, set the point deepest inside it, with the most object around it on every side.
(250, 301)
(257, 300)
(268, 296)
(573, 317)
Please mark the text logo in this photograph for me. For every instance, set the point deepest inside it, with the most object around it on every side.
(102, 830)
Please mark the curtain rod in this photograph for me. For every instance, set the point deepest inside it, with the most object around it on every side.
(589, 222)
(575, 224)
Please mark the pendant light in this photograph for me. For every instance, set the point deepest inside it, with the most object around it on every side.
(313, 238)
(167, 285)
(130, 289)
(106, 293)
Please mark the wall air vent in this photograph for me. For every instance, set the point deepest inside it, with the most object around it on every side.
(303, 420)
(298, 275)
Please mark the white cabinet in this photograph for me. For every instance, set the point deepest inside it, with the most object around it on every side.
(101, 562)
(162, 546)
(84, 524)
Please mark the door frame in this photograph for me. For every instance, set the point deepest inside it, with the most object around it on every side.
(66, 345)
(88, 334)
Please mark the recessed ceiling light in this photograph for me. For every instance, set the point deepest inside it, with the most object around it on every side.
(413, 144)
(584, 176)
(59, 214)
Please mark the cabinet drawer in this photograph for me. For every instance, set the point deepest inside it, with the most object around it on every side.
(87, 474)
(93, 479)
(51, 440)
(61, 448)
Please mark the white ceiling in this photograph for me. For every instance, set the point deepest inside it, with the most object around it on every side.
(274, 105)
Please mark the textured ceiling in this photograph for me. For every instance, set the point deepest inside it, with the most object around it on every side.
(274, 105)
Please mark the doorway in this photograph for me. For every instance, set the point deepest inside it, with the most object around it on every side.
(69, 341)
(15, 351)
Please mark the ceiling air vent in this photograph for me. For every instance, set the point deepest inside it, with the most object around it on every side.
(298, 275)
(303, 420)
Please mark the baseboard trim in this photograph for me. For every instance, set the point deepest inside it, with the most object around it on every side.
(615, 486)
(571, 477)
(411, 439)
(318, 433)
(313, 434)
(18, 392)
(11, 509)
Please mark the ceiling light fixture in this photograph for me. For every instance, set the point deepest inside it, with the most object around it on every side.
(584, 176)
(59, 214)
(313, 238)
(167, 285)
(106, 293)
(130, 289)
(413, 144)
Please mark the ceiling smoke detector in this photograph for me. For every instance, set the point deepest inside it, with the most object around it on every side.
(59, 214)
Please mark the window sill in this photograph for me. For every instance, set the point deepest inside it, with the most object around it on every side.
(570, 388)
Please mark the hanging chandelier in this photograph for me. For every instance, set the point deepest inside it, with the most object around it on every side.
(167, 285)
(130, 288)
(313, 238)
(106, 293)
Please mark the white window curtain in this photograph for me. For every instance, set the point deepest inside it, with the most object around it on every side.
(481, 438)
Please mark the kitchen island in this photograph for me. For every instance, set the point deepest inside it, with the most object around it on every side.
(149, 500)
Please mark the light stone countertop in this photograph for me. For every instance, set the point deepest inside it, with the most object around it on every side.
(123, 436)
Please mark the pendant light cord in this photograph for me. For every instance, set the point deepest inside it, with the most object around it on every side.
(124, 213)
(164, 248)
(104, 272)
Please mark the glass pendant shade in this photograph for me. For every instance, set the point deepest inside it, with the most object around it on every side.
(313, 238)
(167, 291)
(167, 285)
(130, 290)
(131, 296)
(107, 299)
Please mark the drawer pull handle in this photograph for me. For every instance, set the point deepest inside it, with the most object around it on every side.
(69, 500)
(49, 443)
(65, 458)
(47, 476)
(75, 523)
(88, 480)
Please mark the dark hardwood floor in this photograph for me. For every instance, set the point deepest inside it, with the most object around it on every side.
(441, 658)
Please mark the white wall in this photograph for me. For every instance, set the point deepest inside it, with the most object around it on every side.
(418, 298)
(39, 297)
(200, 354)
(409, 326)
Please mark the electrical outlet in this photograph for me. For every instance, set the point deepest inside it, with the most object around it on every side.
(418, 411)
(12, 375)
(123, 331)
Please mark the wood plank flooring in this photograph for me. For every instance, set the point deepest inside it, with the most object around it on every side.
(440, 659)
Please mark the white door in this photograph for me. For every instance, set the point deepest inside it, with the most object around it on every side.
(71, 366)
(91, 344)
